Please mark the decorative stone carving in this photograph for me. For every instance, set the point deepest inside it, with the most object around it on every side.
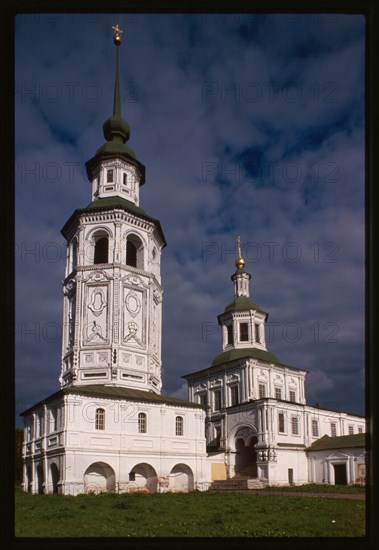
(134, 280)
(157, 296)
(97, 276)
(132, 329)
(98, 302)
(132, 303)
(95, 333)
(69, 287)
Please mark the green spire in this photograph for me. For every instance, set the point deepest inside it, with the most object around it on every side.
(116, 130)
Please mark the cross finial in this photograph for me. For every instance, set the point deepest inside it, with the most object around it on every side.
(117, 32)
(240, 262)
(239, 246)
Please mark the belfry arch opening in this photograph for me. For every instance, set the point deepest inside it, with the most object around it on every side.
(134, 251)
(101, 252)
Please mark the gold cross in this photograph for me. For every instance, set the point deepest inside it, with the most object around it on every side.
(117, 29)
(117, 32)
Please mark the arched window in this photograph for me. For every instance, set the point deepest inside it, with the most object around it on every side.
(131, 253)
(100, 419)
(124, 179)
(101, 251)
(142, 423)
(134, 251)
(179, 425)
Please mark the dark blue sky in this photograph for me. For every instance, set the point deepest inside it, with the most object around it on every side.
(248, 125)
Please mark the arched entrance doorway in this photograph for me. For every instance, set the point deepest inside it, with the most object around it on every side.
(54, 477)
(181, 479)
(143, 478)
(246, 459)
(40, 479)
(99, 478)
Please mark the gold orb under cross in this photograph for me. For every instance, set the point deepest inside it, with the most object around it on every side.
(240, 262)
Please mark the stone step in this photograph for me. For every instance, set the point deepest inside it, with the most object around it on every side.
(255, 484)
(236, 484)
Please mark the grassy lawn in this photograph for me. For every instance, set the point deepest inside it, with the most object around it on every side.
(187, 515)
(317, 488)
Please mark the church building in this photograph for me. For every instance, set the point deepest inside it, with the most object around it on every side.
(109, 427)
(258, 424)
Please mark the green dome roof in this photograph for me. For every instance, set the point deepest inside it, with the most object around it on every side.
(116, 147)
(111, 203)
(254, 353)
(242, 303)
(116, 127)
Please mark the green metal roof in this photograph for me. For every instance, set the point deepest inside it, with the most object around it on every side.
(116, 392)
(116, 147)
(114, 202)
(235, 354)
(242, 303)
(116, 132)
(254, 353)
(339, 442)
(111, 203)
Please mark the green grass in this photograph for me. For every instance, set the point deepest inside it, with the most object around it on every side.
(317, 488)
(187, 515)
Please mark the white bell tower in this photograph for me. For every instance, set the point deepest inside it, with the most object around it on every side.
(243, 321)
(112, 288)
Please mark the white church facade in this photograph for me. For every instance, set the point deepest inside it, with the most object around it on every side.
(109, 428)
(258, 424)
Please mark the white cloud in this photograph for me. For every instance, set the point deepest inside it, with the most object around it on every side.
(175, 130)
